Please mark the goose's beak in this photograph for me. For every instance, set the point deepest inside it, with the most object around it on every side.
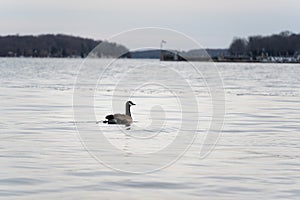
(133, 104)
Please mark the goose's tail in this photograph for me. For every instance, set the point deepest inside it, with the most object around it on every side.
(104, 122)
(109, 120)
(109, 117)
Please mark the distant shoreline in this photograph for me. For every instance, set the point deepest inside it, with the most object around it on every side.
(215, 61)
(278, 48)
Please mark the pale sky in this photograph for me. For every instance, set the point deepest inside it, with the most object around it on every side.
(213, 23)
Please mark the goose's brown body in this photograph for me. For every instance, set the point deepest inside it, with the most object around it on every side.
(121, 118)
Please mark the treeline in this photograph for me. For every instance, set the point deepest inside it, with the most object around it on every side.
(54, 46)
(277, 45)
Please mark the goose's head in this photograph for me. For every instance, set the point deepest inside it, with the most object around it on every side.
(130, 103)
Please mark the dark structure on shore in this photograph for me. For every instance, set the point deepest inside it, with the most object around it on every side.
(172, 55)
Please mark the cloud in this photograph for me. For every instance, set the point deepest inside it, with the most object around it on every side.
(212, 22)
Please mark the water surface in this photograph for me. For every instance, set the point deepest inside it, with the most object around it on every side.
(42, 157)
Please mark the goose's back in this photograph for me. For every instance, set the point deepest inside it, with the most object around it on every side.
(122, 119)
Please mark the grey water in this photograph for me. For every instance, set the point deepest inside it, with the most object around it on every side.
(42, 155)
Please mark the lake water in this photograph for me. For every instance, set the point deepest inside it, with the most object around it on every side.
(44, 156)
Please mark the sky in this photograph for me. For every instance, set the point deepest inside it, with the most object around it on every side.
(212, 23)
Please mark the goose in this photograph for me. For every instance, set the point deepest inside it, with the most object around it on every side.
(121, 118)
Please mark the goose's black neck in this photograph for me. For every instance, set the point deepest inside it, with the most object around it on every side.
(127, 109)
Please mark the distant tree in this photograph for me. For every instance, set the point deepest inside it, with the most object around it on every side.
(283, 44)
(54, 46)
(64, 53)
(238, 46)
